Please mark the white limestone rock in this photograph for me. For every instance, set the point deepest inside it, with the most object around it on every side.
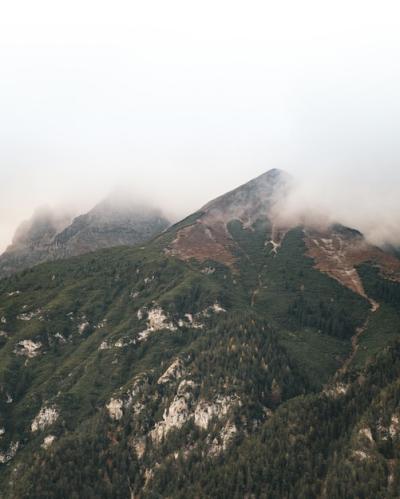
(48, 441)
(114, 408)
(45, 418)
(10, 453)
(366, 433)
(394, 427)
(156, 321)
(142, 336)
(174, 372)
(190, 321)
(337, 390)
(28, 316)
(214, 308)
(104, 346)
(118, 404)
(275, 246)
(182, 409)
(101, 324)
(82, 327)
(124, 342)
(219, 445)
(360, 454)
(28, 348)
(60, 338)
(205, 411)
(176, 415)
(217, 308)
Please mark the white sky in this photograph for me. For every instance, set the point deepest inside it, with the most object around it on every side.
(183, 100)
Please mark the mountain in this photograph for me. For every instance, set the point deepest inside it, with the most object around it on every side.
(113, 222)
(230, 356)
(33, 241)
(49, 236)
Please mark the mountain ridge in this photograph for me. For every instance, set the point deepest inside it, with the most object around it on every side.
(208, 234)
(48, 236)
(140, 372)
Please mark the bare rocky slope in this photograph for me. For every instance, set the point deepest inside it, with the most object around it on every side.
(49, 236)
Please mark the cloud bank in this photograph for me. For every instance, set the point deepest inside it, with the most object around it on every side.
(181, 101)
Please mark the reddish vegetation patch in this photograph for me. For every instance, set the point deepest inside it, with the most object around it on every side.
(203, 242)
(337, 255)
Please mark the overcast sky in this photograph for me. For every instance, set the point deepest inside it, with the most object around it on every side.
(183, 100)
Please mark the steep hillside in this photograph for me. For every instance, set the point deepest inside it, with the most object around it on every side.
(48, 236)
(229, 357)
(112, 222)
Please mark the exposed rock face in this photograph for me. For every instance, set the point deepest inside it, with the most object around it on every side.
(46, 417)
(82, 327)
(124, 400)
(48, 236)
(366, 433)
(174, 372)
(364, 444)
(394, 427)
(360, 454)
(28, 348)
(28, 316)
(114, 408)
(205, 411)
(9, 454)
(48, 441)
(176, 415)
(156, 321)
(110, 223)
(337, 390)
(338, 250)
(184, 407)
(220, 444)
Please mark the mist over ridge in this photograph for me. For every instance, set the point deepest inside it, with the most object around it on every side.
(368, 203)
(181, 104)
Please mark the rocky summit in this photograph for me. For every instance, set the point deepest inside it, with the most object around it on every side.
(233, 355)
(50, 236)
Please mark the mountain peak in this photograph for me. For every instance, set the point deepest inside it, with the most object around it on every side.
(273, 173)
(209, 236)
(116, 221)
(251, 200)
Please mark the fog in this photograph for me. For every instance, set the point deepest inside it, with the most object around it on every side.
(180, 101)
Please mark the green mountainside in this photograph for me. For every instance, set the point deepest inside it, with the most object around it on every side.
(224, 358)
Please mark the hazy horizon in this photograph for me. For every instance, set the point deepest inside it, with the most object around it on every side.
(179, 103)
